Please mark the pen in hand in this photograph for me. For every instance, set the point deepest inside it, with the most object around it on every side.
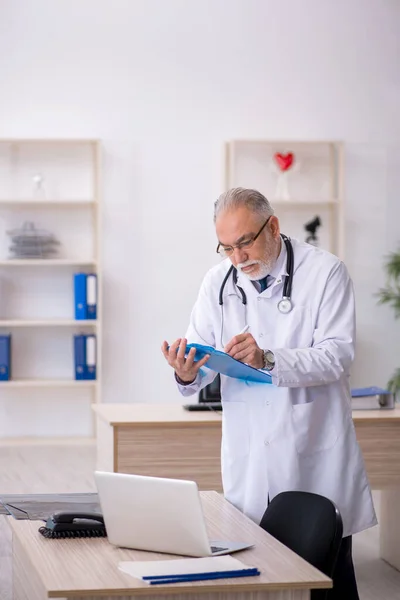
(245, 328)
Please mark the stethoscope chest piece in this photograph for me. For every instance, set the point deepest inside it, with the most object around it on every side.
(285, 305)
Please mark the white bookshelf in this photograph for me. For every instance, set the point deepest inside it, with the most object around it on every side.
(315, 184)
(36, 295)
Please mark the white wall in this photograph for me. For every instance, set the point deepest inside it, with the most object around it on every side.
(164, 83)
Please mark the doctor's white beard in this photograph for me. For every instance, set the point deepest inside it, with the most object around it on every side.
(264, 269)
(265, 266)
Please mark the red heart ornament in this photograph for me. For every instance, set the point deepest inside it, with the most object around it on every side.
(284, 161)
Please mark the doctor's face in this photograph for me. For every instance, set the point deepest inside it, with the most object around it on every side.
(235, 231)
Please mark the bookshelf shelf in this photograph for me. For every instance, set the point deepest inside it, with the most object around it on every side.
(47, 441)
(21, 203)
(48, 262)
(58, 383)
(48, 323)
(56, 185)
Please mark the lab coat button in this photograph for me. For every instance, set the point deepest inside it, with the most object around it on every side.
(261, 334)
(259, 299)
(266, 443)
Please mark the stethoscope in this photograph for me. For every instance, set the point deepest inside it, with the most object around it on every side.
(285, 303)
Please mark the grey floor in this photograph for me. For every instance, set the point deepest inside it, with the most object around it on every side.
(49, 468)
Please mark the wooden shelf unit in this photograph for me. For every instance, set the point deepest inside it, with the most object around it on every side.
(316, 181)
(71, 170)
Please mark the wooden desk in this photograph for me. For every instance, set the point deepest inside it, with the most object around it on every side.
(88, 568)
(160, 440)
(166, 440)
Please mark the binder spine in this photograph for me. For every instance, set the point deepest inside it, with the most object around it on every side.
(80, 296)
(80, 356)
(5, 357)
(91, 296)
(91, 358)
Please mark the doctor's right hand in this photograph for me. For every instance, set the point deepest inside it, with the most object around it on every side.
(185, 368)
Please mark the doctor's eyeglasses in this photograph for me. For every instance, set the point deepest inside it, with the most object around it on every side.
(246, 243)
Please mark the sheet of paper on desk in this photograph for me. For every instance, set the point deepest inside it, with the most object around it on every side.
(209, 564)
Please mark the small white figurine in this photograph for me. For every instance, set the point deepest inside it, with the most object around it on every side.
(38, 189)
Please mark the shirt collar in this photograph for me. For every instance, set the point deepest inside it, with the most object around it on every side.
(278, 270)
(280, 265)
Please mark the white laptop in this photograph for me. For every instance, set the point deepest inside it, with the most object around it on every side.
(157, 514)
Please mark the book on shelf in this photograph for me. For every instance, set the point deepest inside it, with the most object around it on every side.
(85, 358)
(85, 296)
(5, 357)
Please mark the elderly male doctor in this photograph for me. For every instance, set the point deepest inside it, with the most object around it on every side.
(297, 434)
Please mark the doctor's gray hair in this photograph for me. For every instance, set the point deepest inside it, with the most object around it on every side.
(236, 197)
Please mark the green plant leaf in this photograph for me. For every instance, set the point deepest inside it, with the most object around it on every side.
(393, 265)
(391, 293)
(394, 382)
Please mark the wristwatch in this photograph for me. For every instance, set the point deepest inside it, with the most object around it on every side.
(269, 360)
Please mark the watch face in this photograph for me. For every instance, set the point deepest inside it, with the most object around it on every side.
(270, 356)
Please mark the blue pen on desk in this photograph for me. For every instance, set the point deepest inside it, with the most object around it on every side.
(161, 579)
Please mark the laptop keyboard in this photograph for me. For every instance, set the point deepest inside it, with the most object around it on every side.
(217, 549)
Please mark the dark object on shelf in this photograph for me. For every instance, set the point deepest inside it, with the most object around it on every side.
(212, 391)
(29, 242)
(311, 227)
(209, 397)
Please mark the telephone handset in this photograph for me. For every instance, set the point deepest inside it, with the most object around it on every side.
(71, 525)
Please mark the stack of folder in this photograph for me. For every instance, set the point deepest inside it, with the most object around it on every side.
(85, 296)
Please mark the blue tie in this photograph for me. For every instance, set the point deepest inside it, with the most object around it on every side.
(263, 283)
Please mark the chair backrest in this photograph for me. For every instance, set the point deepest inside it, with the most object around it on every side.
(308, 524)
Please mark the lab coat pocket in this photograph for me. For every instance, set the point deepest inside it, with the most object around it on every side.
(313, 426)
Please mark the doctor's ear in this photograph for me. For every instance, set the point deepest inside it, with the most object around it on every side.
(274, 226)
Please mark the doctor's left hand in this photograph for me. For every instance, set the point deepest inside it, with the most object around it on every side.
(244, 347)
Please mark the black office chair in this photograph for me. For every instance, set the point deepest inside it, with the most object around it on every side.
(308, 524)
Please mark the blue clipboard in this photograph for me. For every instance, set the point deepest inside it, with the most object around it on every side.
(226, 365)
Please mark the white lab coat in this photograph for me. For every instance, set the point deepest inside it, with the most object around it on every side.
(297, 434)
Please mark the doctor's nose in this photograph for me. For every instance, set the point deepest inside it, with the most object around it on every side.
(240, 255)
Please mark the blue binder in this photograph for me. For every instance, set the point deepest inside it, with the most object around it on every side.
(80, 296)
(91, 295)
(91, 360)
(225, 364)
(80, 356)
(5, 357)
(368, 391)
